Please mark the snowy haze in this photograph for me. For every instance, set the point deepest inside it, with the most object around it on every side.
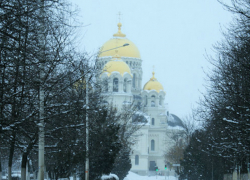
(171, 35)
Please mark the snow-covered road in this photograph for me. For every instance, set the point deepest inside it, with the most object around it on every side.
(133, 176)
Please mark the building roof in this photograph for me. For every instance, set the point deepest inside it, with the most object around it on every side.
(174, 121)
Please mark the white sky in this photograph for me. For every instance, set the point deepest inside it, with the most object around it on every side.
(171, 35)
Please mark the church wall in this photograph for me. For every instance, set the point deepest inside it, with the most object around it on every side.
(140, 148)
(143, 163)
(119, 99)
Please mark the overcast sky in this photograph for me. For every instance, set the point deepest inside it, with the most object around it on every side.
(171, 35)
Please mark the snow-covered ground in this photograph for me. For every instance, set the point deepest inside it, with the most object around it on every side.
(133, 176)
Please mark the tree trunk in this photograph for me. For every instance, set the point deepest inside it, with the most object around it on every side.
(27, 170)
(12, 148)
(23, 166)
(9, 173)
(0, 169)
(25, 157)
(34, 175)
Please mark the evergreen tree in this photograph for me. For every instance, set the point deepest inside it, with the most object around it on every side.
(122, 163)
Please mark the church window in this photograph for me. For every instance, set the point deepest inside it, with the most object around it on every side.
(115, 85)
(125, 85)
(139, 105)
(152, 104)
(153, 121)
(134, 79)
(153, 101)
(146, 100)
(105, 86)
(160, 100)
(152, 145)
(105, 102)
(136, 159)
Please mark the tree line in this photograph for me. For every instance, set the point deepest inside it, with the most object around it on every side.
(223, 145)
(26, 52)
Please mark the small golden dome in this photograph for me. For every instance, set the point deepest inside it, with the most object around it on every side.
(119, 40)
(81, 84)
(153, 84)
(116, 65)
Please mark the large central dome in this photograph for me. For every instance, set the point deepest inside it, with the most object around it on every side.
(119, 40)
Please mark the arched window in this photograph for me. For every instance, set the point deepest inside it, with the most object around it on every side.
(105, 102)
(152, 145)
(160, 100)
(105, 88)
(125, 85)
(153, 121)
(153, 101)
(136, 160)
(152, 104)
(115, 85)
(134, 79)
(145, 100)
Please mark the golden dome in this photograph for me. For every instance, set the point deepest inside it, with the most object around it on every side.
(116, 65)
(153, 84)
(81, 84)
(119, 40)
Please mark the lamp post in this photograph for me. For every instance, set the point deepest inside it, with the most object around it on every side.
(87, 117)
(41, 95)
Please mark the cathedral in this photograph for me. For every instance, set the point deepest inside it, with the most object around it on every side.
(121, 66)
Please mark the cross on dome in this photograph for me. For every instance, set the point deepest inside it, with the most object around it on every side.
(153, 77)
(119, 14)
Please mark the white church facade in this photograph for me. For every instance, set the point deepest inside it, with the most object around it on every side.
(121, 66)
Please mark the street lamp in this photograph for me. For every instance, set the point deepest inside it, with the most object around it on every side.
(87, 118)
(126, 44)
(40, 125)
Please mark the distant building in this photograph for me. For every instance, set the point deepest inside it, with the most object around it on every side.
(122, 70)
